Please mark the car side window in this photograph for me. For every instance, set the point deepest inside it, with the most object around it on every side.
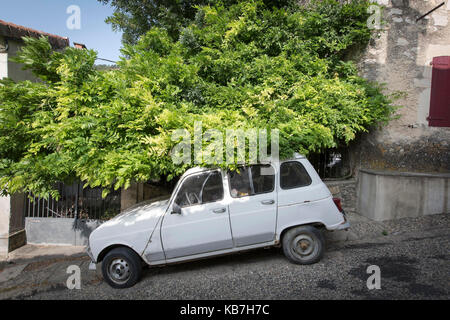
(263, 178)
(213, 188)
(253, 180)
(200, 188)
(293, 175)
(239, 182)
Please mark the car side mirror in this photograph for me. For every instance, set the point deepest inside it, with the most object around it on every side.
(176, 209)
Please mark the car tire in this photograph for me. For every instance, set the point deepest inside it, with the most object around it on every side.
(303, 245)
(121, 268)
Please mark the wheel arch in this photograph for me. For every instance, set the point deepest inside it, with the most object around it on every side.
(107, 249)
(318, 225)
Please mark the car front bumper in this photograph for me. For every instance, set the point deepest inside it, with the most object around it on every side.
(93, 264)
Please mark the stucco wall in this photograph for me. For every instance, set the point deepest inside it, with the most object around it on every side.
(400, 59)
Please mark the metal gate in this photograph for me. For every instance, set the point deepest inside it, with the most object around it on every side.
(332, 163)
(74, 202)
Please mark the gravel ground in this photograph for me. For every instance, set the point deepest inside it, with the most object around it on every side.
(414, 264)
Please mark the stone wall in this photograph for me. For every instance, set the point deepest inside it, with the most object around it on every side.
(400, 59)
(346, 191)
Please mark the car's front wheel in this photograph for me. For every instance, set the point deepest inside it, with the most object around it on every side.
(121, 268)
(303, 245)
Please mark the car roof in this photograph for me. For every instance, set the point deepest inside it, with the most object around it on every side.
(296, 156)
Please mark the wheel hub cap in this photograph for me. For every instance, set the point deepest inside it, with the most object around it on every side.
(303, 245)
(119, 270)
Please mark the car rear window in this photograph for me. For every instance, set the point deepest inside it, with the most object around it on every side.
(253, 180)
(293, 175)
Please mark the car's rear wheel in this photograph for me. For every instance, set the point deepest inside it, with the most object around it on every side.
(303, 245)
(121, 268)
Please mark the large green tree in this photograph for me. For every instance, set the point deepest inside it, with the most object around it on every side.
(136, 17)
(241, 66)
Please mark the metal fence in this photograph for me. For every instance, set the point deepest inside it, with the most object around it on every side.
(331, 164)
(74, 202)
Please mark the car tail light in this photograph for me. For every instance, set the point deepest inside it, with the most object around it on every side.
(338, 204)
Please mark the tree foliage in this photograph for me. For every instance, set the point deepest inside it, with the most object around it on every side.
(242, 66)
(136, 17)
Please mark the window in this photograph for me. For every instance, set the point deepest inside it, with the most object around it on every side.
(440, 93)
(213, 188)
(200, 188)
(251, 180)
(263, 178)
(293, 175)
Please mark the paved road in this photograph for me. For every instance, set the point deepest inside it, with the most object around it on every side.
(413, 265)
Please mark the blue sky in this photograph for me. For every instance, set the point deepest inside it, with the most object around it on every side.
(50, 16)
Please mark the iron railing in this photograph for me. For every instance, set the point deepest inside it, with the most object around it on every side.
(331, 164)
(74, 202)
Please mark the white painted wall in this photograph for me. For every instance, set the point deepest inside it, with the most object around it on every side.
(3, 65)
(3, 61)
(5, 209)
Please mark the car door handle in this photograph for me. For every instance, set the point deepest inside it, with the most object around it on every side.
(220, 210)
(268, 202)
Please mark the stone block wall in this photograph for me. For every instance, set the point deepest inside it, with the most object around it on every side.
(400, 58)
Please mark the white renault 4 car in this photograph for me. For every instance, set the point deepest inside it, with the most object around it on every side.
(214, 212)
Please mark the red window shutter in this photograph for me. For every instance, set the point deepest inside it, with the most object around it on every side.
(440, 93)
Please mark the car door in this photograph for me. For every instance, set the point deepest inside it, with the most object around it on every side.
(203, 225)
(253, 209)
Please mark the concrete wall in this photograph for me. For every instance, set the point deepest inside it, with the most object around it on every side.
(386, 195)
(400, 59)
(59, 230)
